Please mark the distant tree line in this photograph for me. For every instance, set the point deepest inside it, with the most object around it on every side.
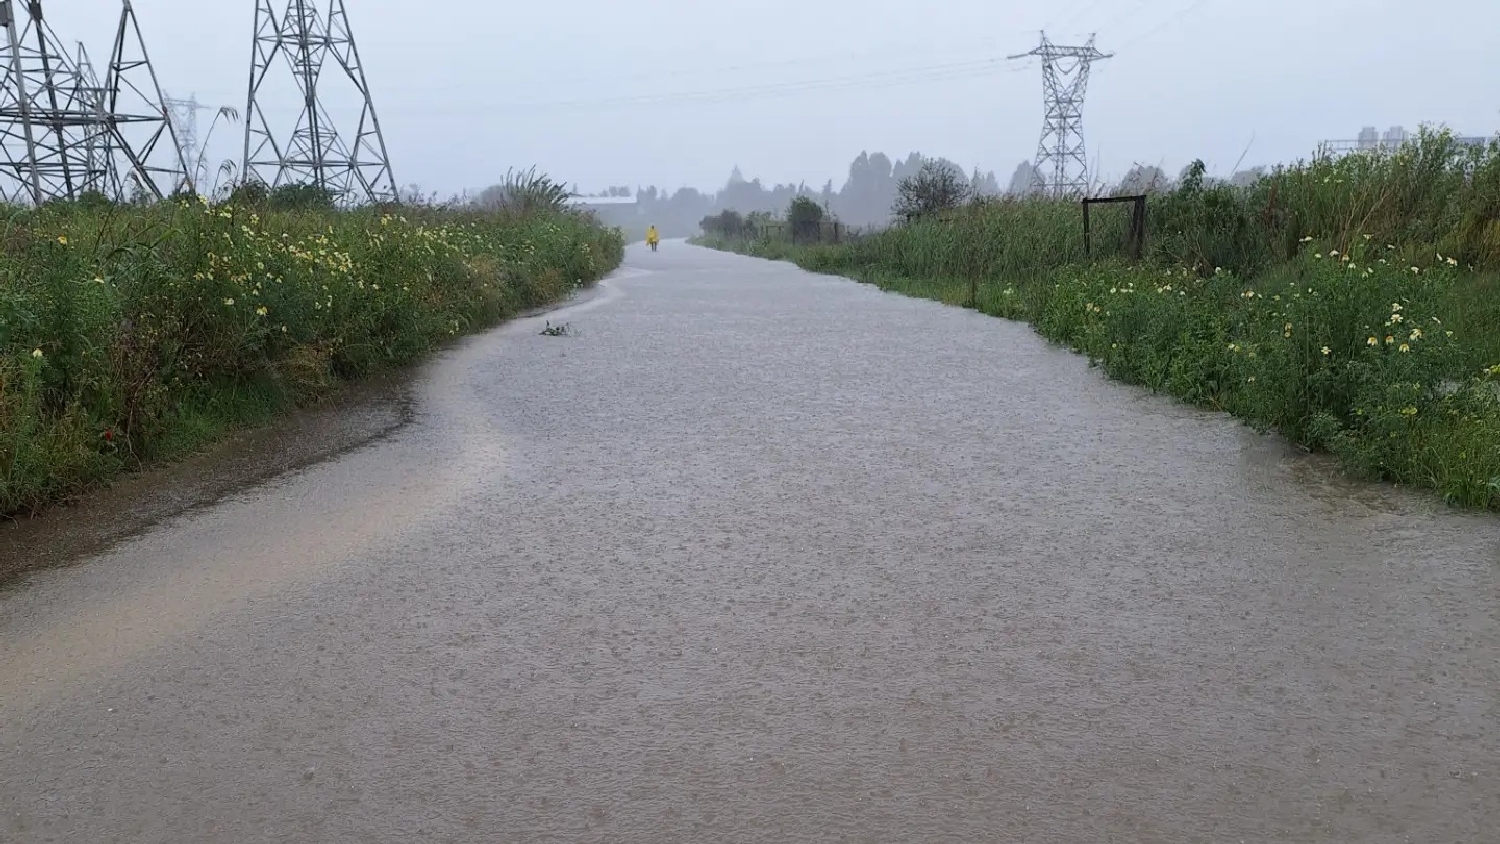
(876, 192)
(864, 199)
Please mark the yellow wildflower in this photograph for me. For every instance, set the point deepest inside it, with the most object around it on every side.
(1327, 351)
(1404, 348)
(260, 311)
(63, 239)
(229, 302)
(36, 353)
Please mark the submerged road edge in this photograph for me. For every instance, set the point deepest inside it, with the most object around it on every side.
(359, 415)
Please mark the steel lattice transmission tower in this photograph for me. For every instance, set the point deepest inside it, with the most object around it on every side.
(64, 134)
(1061, 160)
(140, 124)
(184, 117)
(313, 152)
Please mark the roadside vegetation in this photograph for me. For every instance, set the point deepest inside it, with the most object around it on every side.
(1350, 304)
(132, 334)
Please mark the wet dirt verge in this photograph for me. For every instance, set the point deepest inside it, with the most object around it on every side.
(357, 415)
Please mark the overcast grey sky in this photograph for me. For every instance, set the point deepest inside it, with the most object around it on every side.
(796, 88)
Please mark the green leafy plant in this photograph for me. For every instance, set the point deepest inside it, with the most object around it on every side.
(134, 334)
(1351, 304)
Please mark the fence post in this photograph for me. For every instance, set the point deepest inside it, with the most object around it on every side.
(1138, 228)
(1087, 250)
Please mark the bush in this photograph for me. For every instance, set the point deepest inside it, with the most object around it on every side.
(936, 187)
(1346, 353)
(525, 192)
(301, 198)
(126, 336)
(1351, 304)
(804, 210)
(727, 224)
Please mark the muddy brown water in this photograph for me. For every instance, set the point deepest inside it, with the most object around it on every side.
(758, 556)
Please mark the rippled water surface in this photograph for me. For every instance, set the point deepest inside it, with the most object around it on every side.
(758, 556)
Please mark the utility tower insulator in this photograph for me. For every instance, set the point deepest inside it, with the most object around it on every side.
(63, 134)
(351, 167)
(1061, 167)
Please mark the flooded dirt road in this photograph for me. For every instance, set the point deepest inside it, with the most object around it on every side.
(754, 556)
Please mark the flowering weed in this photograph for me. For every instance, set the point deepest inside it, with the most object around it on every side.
(1350, 304)
(134, 321)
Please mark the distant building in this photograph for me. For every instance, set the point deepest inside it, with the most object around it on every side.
(600, 201)
(1372, 138)
(1392, 139)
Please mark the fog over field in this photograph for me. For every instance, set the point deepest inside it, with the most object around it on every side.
(677, 93)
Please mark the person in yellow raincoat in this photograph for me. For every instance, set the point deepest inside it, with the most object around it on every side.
(652, 238)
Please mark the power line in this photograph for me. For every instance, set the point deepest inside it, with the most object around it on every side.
(989, 45)
(871, 81)
(1170, 21)
(1122, 14)
(879, 79)
(1080, 14)
(1068, 15)
(947, 52)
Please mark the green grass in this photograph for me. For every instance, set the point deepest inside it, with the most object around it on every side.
(135, 335)
(1352, 305)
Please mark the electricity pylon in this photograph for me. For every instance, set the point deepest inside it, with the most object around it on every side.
(49, 114)
(1062, 167)
(313, 152)
(63, 134)
(184, 114)
(184, 117)
(95, 141)
(138, 117)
